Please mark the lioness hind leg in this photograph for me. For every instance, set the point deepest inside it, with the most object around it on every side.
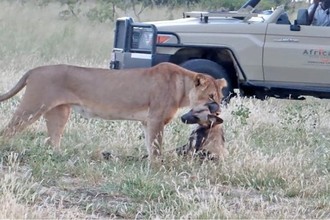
(56, 119)
(20, 120)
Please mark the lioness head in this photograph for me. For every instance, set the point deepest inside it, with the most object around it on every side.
(206, 89)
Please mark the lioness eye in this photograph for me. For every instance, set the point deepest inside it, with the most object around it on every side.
(211, 96)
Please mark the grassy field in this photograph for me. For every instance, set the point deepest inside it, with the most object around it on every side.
(278, 166)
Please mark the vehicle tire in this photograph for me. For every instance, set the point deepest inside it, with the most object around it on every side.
(213, 69)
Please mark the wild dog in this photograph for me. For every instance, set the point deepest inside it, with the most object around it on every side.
(150, 95)
(207, 140)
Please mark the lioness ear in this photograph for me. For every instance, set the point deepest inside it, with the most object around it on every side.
(222, 83)
(215, 120)
(199, 80)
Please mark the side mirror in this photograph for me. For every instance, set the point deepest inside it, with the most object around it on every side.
(295, 26)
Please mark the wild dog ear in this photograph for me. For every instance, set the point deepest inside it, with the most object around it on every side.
(215, 120)
(213, 107)
(222, 83)
(199, 80)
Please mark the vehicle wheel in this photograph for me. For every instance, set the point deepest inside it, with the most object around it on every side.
(213, 69)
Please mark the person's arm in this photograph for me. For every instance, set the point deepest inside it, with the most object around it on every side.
(311, 12)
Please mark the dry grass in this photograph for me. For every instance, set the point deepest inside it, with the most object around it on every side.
(278, 165)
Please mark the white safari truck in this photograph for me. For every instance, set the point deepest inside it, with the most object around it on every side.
(261, 54)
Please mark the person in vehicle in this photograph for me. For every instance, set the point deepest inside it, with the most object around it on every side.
(318, 13)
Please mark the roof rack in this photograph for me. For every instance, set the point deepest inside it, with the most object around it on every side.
(242, 14)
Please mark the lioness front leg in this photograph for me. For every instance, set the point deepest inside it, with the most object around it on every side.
(145, 131)
(154, 132)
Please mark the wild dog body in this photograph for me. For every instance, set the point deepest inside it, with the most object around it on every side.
(150, 95)
(207, 140)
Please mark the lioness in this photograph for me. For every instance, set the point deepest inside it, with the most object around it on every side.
(150, 95)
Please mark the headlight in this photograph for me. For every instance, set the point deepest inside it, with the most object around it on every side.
(142, 38)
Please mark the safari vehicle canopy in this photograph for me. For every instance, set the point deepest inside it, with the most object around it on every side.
(258, 53)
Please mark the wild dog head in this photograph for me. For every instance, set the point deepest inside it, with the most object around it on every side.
(206, 88)
(204, 115)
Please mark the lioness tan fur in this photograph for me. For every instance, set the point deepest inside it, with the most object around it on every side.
(150, 95)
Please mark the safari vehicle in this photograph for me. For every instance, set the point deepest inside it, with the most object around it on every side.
(260, 54)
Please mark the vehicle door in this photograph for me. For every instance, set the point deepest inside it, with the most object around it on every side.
(297, 56)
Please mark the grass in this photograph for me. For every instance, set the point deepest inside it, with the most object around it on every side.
(278, 166)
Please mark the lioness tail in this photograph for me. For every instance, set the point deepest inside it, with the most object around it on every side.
(18, 87)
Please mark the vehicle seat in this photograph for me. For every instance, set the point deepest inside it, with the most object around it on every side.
(283, 19)
(302, 17)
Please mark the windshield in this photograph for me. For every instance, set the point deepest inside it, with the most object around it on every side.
(268, 16)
